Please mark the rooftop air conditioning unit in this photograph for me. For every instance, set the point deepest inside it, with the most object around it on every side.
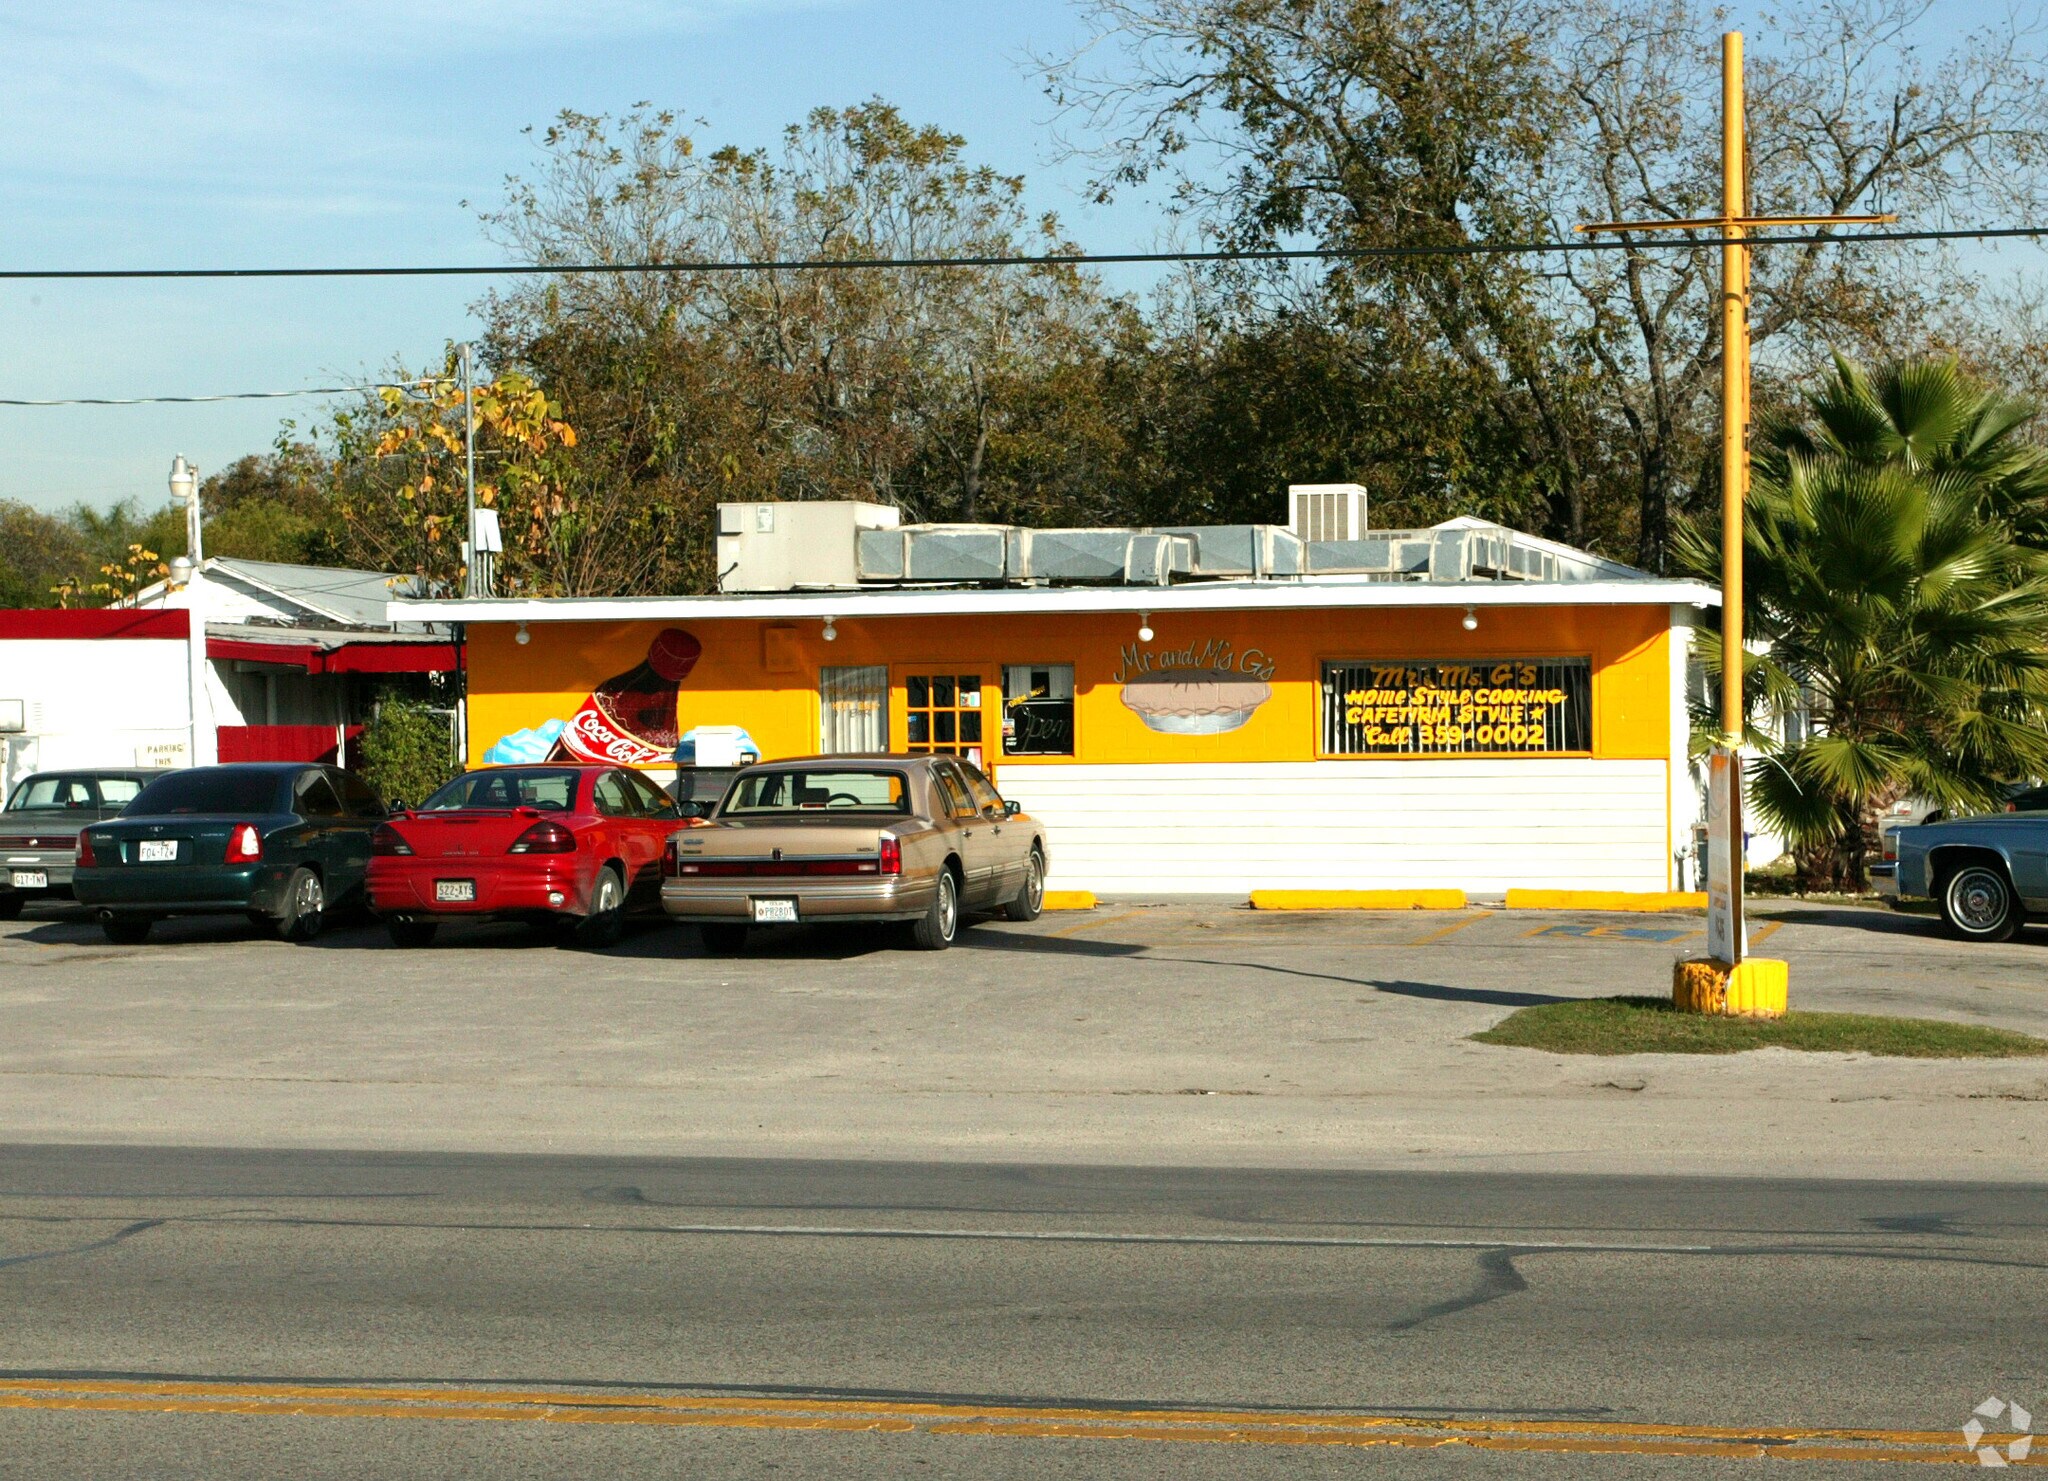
(1326, 511)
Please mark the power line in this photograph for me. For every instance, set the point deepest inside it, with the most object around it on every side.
(1624, 243)
(223, 396)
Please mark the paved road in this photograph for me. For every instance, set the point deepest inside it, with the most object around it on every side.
(238, 1313)
(1181, 1033)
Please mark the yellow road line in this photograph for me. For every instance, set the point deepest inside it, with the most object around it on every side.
(1765, 931)
(1451, 929)
(1089, 925)
(1211, 1426)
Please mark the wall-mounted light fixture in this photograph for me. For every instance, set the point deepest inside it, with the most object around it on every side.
(1144, 627)
(522, 637)
(831, 633)
(1471, 622)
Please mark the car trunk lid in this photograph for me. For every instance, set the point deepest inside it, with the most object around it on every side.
(467, 833)
(198, 838)
(781, 846)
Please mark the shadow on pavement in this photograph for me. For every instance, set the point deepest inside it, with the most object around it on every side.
(984, 940)
(1885, 923)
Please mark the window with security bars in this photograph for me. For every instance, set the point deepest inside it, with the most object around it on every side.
(943, 712)
(1508, 706)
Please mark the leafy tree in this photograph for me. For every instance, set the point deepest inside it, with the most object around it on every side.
(39, 553)
(401, 500)
(278, 506)
(1895, 586)
(964, 393)
(1387, 125)
(408, 750)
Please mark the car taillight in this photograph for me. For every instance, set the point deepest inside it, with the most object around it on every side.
(892, 855)
(245, 844)
(1891, 847)
(82, 856)
(668, 858)
(388, 840)
(544, 838)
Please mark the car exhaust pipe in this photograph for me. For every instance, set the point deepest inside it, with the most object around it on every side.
(105, 915)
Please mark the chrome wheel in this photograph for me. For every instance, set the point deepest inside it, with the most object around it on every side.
(1979, 903)
(305, 904)
(942, 920)
(1030, 896)
(607, 919)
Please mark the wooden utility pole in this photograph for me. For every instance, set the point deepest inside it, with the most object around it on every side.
(1721, 984)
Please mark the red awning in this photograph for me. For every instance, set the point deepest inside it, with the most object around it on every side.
(349, 658)
(45, 623)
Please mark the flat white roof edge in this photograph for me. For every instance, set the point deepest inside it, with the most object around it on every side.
(975, 601)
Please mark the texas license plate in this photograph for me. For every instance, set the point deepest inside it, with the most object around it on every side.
(454, 891)
(27, 879)
(151, 851)
(769, 912)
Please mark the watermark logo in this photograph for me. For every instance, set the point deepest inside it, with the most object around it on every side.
(2018, 1423)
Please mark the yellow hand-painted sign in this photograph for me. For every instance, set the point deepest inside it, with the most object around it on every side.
(1489, 706)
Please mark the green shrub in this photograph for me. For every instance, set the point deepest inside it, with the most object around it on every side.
(408, 750)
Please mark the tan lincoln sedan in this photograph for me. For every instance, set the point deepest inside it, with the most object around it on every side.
(923, 840)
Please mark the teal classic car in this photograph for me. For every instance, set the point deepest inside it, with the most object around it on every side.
(284, 843)
(1983, 874)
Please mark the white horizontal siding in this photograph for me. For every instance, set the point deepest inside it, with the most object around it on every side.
(1483, 826)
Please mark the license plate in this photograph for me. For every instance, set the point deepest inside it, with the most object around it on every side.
(454, 889)
(27, 880)
(769, 912)
(150, 851)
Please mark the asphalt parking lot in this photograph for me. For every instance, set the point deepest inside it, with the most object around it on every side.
(1213, 1033)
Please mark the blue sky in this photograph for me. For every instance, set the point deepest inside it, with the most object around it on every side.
(165, 132)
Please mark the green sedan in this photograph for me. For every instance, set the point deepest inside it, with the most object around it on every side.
(283, 843)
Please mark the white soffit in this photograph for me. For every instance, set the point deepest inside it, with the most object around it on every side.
(975, 601)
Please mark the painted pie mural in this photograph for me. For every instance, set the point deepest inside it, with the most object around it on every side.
(1202, 689)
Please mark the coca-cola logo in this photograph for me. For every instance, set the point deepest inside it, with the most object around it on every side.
(590, 737)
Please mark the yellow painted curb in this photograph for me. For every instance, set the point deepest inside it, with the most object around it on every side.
(1607, 899)
(1358, 899)
(1068, 900)
(1759, 988)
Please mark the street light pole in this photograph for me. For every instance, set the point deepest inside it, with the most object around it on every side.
(1727, 982)
(473, 563)
(201, 750)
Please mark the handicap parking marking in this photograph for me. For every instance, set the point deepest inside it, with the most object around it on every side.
(1618, 933)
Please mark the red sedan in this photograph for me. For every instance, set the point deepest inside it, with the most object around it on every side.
(575, 845)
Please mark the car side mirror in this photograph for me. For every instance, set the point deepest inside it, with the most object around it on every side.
(398, 804)
(1011, 809)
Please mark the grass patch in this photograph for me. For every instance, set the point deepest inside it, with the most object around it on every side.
(1653, 1026)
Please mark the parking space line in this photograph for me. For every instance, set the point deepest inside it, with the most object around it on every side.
(1453, 928)
(1765, 931)
(1089, 925)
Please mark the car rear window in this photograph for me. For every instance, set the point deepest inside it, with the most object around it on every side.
(551, 790)
(119, 791)
(207, 791)
(824, 790)
(52, 791)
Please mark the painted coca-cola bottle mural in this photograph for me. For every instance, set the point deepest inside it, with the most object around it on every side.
(630, 719)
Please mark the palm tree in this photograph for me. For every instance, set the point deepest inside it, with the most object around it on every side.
(1897, 587)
